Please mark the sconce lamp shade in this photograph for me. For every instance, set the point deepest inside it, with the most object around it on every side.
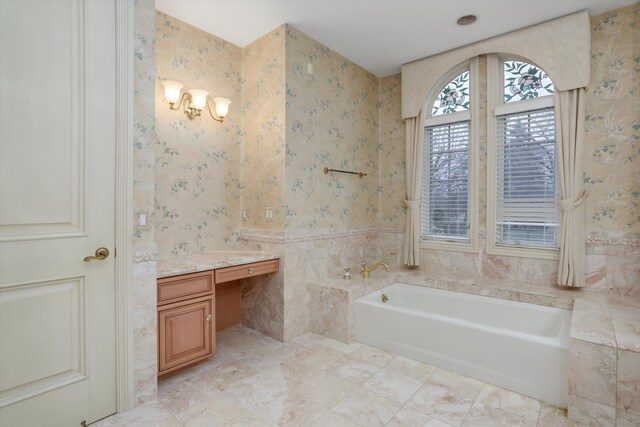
(172, 90)
(222, 106)
(198, 98)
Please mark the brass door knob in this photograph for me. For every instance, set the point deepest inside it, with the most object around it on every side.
(250, 270)
(208, 318)
(101, 253)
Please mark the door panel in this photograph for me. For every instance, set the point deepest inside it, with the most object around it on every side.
(57, 187)
(48, 315)
(43, 99)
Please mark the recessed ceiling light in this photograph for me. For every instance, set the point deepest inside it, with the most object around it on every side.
(467, 20)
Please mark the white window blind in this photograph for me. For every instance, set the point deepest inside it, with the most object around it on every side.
(527, 212)
(445, 182)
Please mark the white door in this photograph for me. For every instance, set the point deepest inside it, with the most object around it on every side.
(57, 166)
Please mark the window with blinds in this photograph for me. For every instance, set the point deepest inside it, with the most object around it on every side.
(527, 190)
(445, 182)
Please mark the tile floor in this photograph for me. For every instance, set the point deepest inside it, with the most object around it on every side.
(315, 381)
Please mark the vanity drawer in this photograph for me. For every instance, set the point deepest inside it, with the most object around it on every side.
(186, 286)
(229, 274)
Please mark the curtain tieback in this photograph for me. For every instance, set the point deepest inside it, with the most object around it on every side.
(567, 205)
(412, 203)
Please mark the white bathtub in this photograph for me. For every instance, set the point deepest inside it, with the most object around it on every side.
(521, 347)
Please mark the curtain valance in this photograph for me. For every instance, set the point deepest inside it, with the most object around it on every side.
(562, 48)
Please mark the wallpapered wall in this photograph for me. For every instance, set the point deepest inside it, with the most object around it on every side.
(144, 123)
(263, 129)
(612, 172)
(391, 154)
(197, 169)
(332, 121)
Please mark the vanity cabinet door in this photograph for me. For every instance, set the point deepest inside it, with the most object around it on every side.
(186, 333)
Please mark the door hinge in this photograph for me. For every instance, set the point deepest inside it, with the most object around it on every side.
(83, 423)
(115, 252)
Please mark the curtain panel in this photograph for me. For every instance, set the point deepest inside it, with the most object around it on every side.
(570, 148)
(414, 142)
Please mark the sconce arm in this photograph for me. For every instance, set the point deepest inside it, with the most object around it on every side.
(216, 118)
(184, 99)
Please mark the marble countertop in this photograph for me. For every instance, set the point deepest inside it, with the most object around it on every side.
(209, 261)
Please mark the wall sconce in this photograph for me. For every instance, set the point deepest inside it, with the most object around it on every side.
(194, 100)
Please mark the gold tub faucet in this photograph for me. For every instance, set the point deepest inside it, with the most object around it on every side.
(366, 270)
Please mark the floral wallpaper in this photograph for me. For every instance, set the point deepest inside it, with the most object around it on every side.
(144, 125)
(197, 171)
(263, 131)
(612, 170)
(331, 121)
(391, 187)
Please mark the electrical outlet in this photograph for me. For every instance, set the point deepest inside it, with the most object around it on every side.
(245, 215)
(268, 213)
(309, 68)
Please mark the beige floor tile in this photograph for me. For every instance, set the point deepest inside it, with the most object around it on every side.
(177, 393)
(372, 355)
(487, 416)
(318, 359)
(461, 385)
(408, 417)
(355, 370)
(146, 415)
(367, 408)
(331, 419)
(290, 410)
(511, 402)
(218, 411)
(325, 388)
(413, 368)
(441, 402)
(550, 416)
(394, 385)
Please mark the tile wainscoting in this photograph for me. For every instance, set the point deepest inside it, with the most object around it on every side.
(145, 324)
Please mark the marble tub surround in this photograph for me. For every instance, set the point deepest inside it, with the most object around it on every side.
(309, 256)
(604, 356)
(331, 300)
(332, 303)
(315, 381)
(209, 260)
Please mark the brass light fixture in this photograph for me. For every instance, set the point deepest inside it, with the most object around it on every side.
(194, 100)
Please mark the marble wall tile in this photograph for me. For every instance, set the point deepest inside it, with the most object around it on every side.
(599, 361)
(500, 267)
(627, 418)
(538, 271)
(628, 381)
(145, 332)
(466, 264)
(590, 413)
(435, 261)
(596, 272)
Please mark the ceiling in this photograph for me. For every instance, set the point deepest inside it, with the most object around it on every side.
(378, 35)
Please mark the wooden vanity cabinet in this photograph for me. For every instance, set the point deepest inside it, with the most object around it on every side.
(187, 311)
(186, 320)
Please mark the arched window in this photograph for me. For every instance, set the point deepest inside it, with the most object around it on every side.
(523, 191)
(448, 195)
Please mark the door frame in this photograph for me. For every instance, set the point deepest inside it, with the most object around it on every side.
(124, 204)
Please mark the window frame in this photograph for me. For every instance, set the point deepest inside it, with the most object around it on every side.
(472, 115)
(497, 107)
